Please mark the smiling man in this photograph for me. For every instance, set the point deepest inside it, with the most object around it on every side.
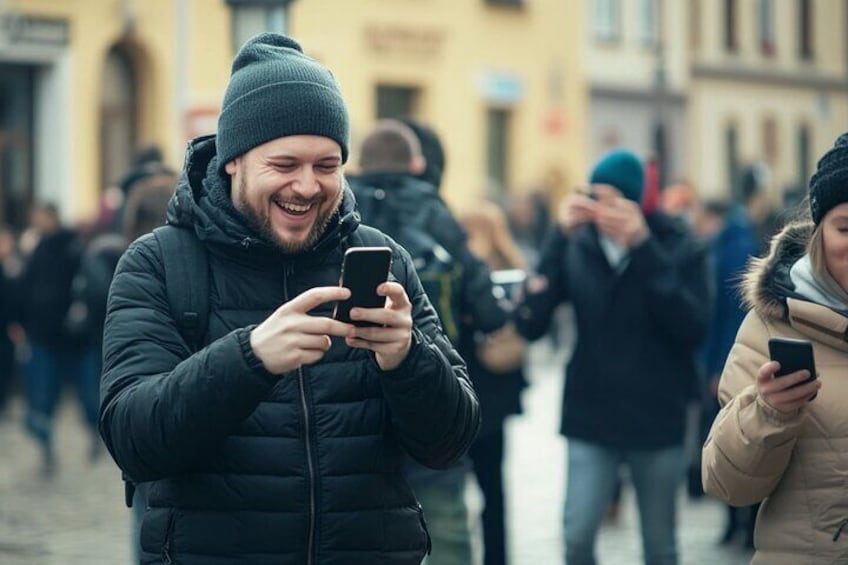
(280, 440)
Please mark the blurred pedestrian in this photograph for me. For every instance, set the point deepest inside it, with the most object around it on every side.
(146, 205)
(45, 298)
(498, 380)
(266, 431)
(731, 250)
(753, 193)
(638, 288)
(8, 300)
(394, 197)
(780, 440)
(529, 221)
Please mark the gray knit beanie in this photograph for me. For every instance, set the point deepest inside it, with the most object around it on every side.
(274, 91)
(829, 184)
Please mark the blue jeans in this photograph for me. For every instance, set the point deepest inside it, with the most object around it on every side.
(45, 371)
(447, 521)
(592, 474)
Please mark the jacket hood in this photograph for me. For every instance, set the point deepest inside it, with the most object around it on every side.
(767, 284)
(198, 204)
(404, 191)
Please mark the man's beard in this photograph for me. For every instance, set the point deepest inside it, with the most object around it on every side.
(262, 223)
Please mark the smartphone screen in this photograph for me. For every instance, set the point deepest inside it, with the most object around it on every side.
(363, 270)
(793, 355)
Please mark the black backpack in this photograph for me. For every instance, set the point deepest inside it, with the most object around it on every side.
(184, 257)
(90, 286)
(439, 270)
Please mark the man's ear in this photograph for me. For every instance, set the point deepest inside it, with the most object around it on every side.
(231, 166)
(417, 165)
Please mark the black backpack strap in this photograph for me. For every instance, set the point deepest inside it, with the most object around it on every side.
(129, 490)
(186, 281)
(187, 285)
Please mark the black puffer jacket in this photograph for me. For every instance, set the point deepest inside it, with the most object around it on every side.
(247, 467)
(632, 370)
(45, 288)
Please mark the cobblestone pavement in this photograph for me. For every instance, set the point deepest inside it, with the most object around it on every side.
(536, 479)
(78, 516)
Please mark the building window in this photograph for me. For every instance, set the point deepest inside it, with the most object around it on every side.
(497, 151)
(396, 101)
(605, 20)
(650, 21)
(255, 16)
(804, 163)
(731, 158)
(766, 27)
(513, 3)
(695, 25)
(17, 117)
(805, 29)
(731, 43)
(770, 140)
(118, 116)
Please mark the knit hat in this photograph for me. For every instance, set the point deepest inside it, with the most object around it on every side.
(274, 91)
(623, 170)
(829, 184)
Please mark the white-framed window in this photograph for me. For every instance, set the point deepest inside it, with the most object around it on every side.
(606, 17)
(250, 17)
(649, 24)
(765, 26)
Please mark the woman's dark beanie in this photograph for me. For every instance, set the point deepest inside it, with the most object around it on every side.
(829, 184)
(275, 91)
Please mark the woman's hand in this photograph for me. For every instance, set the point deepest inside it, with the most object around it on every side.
(781, 393)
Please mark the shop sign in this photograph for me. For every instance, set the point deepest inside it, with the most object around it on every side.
(404, 39)
(500, 87)
(21, 29)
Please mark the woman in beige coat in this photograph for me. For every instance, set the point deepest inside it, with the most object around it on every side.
(772, 441)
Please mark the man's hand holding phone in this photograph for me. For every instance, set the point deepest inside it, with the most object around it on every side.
(390, 335)
(290, 337)
(576, 209)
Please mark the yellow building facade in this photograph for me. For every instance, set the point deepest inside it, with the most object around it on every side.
(769, 84)
(498, 79)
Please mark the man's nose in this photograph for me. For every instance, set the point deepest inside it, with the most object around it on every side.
(306, 185)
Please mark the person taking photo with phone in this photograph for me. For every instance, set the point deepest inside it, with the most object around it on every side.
(279, 435)
(638, 287)
(778, 438)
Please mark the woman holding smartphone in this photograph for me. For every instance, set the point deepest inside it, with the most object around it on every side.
(783, 440)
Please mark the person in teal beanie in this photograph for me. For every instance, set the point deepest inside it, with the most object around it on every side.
(623, 170)
(639, 291)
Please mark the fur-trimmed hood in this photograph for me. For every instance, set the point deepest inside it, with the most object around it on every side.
(767, 284)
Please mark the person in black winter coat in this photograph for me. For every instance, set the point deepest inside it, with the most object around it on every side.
(44, 299)
(280, 441)
(638, 287)
(394, 196)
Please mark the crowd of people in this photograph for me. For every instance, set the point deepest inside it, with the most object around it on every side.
(251, 426)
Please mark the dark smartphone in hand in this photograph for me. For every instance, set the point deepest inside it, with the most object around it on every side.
(793, 355)
(363, 270)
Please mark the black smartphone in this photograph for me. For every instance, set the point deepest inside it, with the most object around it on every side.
(793, 355)
(363, 270)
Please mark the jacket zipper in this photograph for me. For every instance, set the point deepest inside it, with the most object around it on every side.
(429, 547)
(839, 530)
(301, 382)
(169, 533)
(307, 432)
